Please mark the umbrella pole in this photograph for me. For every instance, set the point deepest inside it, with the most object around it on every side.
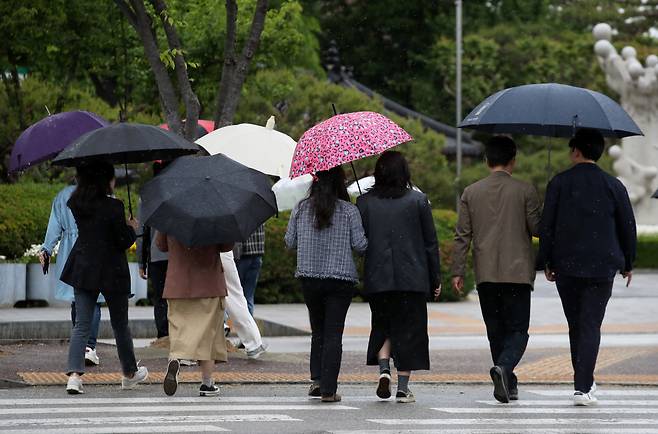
(130, 205)
(549, 168)
(356, 178)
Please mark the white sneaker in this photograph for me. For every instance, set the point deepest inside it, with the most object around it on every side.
(74, 385)
(581, 399)
(592, 390)
(141, 375)
(91, 358)
(254, 354)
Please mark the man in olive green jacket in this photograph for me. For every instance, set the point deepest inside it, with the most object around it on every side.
(499, 215)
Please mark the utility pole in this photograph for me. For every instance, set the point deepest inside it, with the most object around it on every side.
(458, 93)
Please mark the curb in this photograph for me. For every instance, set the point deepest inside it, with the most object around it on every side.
(139, 328)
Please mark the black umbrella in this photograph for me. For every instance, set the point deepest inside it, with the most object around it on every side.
(125, 143)
(207, 200)
(550, 109)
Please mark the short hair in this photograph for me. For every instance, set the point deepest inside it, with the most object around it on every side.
(589, 142)
(500, 151)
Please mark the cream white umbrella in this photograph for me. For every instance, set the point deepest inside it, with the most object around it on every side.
(289, 192)
(366, 184)
(261, 148)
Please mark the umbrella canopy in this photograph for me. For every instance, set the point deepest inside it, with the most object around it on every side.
(126, 143)
(46, 138)
(261, 148)
(344, 138)
(207, 200)
(366, 184)
(550, 109)
(289, 192)
(203, 127)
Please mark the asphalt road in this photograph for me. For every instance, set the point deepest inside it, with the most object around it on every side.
(286, 409)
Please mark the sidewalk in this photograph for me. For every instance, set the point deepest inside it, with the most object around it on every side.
(459, 349)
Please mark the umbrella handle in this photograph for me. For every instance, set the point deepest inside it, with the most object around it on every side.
(130, 205)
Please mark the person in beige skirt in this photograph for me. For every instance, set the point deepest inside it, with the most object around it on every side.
(195, 289)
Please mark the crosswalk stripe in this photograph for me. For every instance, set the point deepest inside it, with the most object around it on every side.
(568, 402)
(149, 420)
(163, 400)
(520, 421)
(572, 410)
(503, 431)
(605, 392)
(171, 408)
(123, 429)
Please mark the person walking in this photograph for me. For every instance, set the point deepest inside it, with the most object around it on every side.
(588, 234)
(402, 268)
(249, 263)
(153, 266)
(499, 215)
(63, 230)
(97, 264)
(325, 228)
(195, 291)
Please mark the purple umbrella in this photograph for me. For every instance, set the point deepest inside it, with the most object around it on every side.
(46, 138)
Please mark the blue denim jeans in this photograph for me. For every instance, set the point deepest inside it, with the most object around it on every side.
(85, 304)
(95, 324)
(249, 269)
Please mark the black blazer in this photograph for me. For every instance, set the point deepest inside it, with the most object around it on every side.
(588, 226)
(98, 258)
(403, 251)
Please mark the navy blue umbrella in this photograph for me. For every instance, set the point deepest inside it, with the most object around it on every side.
(550, 109)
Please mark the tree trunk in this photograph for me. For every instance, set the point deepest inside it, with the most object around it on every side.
(235, 70)
(137, 16)
(190, 99)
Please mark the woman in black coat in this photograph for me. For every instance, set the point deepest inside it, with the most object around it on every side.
(401, 270)
(98, 264)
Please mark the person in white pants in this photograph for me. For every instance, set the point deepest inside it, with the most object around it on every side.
(236, 306)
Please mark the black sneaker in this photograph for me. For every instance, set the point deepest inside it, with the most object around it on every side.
(514, 394)
(314, 390)
(209, 390)
(171, 377)
(384, 386)
(501, 392)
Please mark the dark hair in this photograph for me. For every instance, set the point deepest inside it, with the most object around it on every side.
(500, 151)
(392, 175)
(93, 185)
(589, 142)
(325, 191)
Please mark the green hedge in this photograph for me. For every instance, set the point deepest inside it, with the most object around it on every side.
(647, 251)
(277, 283)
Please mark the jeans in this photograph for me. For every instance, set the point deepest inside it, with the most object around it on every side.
(157, 272)
(327, 301)
(85, 302)
(584, 302)
(95, 324)
(249, 269)
(506, 313)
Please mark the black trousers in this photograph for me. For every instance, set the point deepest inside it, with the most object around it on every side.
(506, 312)
(327, 301)
(157, 272)
(584, 302)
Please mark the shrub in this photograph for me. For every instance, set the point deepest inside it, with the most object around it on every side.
(647, 251)
(24, 212)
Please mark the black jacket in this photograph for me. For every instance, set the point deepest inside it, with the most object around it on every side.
(588, 226)
(403, 251)
(98, 258)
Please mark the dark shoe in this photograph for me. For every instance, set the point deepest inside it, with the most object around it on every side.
(171, 377)
(314, 390)
(209, 390)
(384, 386)
(499, 378)
(514, 394)
(334, 397)
(405, 397)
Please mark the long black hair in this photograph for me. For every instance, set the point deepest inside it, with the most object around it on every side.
(325, 191)
(93, 185)
(392, 175)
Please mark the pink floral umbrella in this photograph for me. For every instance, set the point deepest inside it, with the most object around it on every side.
(344, 138)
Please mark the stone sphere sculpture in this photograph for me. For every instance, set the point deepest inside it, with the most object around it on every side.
(636, 160)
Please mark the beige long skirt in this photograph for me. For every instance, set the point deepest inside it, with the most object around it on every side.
(196, 329)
